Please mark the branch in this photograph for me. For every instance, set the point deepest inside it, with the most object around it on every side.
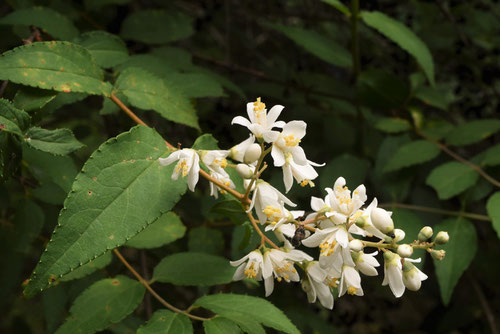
(474, 216)
(151, 290)
(262, 235)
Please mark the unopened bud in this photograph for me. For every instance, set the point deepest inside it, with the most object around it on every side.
(438, 254)
(405, 250)
(252, 153)
(244, 171)
(399, 235)
(442, 237)
(425, 233)
(390, 256)
(382, 220)
(361, 222)
(355, 245)
(412, 277)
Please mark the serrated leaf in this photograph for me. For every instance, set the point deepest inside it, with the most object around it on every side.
(220, 325)
(88, 268)
(58, 141)
(206, 240)
(6, 125)
(392, 125)
(164, 230)
(20, 118)
(255, 308)
(61, 66)
(339, 6)
(451, 178)
(247, 324)
(105, 302)
(192, 268)
(146, 91)
(167, 322)
(404, 37)
(460, 251)
(472, 132)
(50, 21)
(196, 85)
(153, 26)
(107, 49)
(29, 98)
(413, 153)
(381, 90)
(491, 157)
(121, 189)
(493, 208)
(321, 46)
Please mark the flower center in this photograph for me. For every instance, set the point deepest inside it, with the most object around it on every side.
(306, 182)
(352, 290)
(259, 110)
(182, 167)
(332, 282)
(327, 248)
(284, 271)
(222, 163)
(273, 214)
(290, 140)
(250, 271)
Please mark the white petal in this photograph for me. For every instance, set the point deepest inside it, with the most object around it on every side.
(267, 268)
(273, 114)
(315, 272)
(194, 173)
(240, 261)
(171, 158)
(269, 285)
(241, 121)
(278, 156)
(317, 203)
(297, 128)
(278, 124)
(239, 273)
(299, 156)
(324, 295)
(315, 239)
(270, 136)
(287, 177)
(395, 277)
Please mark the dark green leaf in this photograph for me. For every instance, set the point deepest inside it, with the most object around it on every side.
(392, 125)
(164, 230)
(61, 66)
(58, 141)
(88, 268)
(156, 26)
(254, 308)
(381, 90)
(413, 153)
(451, 178)
(434, 96)
(460, 251)
(491, 157)
(106, 302)
(196, 84)
(472, 132)
(410, 223)
(339, 6)
(493, 208)
(50, 21)
(167, 322)
(404, 37)
(11, 113)
(54, 306)
(437, 129)
(98, 4)
(206, 240)
(146, 91)
(6, 125)
(192, 268)
(121, 189)
(29, 98)
(231, 209)
(107, 49)
(220, 325)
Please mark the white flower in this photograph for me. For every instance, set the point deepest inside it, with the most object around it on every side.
(251, 269)
(412, 276)
(215, 160)
(382, 220)
(225, 179)
(303, 174)
(350, 282)
(237, 152)
(259, 122)
(393, 273)
(266, 197)
(315, 285)
(279, 264)
(343, 205)
(188, 165)
(364, 221)
(366, 263)
(288, 142)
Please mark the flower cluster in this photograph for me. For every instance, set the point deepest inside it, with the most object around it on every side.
(340, 225)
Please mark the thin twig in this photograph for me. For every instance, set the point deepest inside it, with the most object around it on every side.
(151, 290)
(474, 216)
(262, 235)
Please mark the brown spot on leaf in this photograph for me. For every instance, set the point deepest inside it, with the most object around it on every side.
(115, 282)
(94, 178)
(2, 126)
(111, 237)
(90, 193)
(108, 308)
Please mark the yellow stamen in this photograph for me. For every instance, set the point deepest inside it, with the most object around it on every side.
(291, 140)
(182, 167)
(223, 163)
(352, 290)
(250, 271)
(258, 105)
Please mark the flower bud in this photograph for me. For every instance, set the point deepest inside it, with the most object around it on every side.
(438, 254)
(382, 220)
(442, 237)
(355, 245)
(412, 276)
(399, 235)
(405, 250)
(361, 222)
(252, 153)
(425, 233)
(244, 171)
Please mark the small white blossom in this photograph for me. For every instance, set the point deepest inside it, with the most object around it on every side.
(343, 205)
(279, 264)
(252, 154)
(412, 276)
(288, 142)
(366, 263)
(316, 287)
(266, 197)
(363, 220)
(188, 165)
(393, 273)
(215, 160)
(382, 220)
(237, 152)
(350, 282)
(303, 174)
(251, 269)
(405, 250)
(225, 179)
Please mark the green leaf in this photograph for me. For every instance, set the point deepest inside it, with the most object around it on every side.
(58, 141)
(121, 189)
(437, 129)
(105, 302)
(192, 268)
(107, 49)
(339, 6)
(231, 209)
(29, 98)
(434, 96)
(98, 4)
(254, 308)
(156, 26)
(460, 251)
(50, 21)
(404, 37)
(54, 306)
(352, 168)
(146, 91)
(20, 118)
(413, 153)
(247, 325)
(220, 325)
(493, 208)
(88, 268)
(196, 84)
(381, 90)
(167, 322)
(6, 125)
(317, 44)
(451, 178)
(491, 157)
(61, 66)
(164, 230)
(392, 125)
(472, 132)
(206, 240)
